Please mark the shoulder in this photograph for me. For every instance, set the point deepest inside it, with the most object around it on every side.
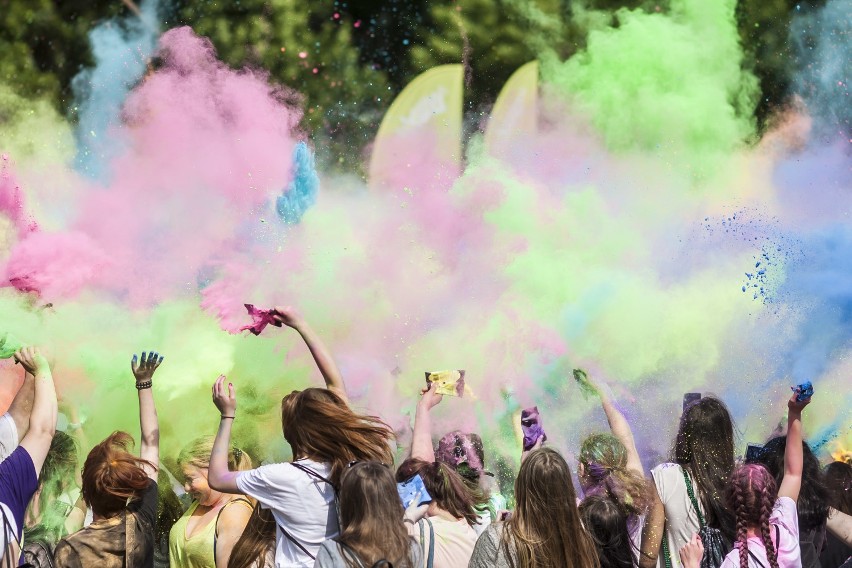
(64, 554)
(487, 549)
(18, 467)
(732, 559)
(235, 514)
(328, 554)
(666, 476)
(785, 515)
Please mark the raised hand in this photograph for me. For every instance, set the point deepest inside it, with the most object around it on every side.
(795, 405)
(31, 360)
(143, 368)
(288, 316)
(225, 397)
(429, 397)
(415, 512)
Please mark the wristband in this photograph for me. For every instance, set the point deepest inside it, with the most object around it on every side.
(223, 417)
(144, 385)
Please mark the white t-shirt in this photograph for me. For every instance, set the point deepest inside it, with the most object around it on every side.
(681, 518)
(301, 504)
(8, 536)
(8, 436)
(786, 518)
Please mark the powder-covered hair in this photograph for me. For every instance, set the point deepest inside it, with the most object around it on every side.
(812, 504)
(197, 453)
(545, 530)
(605, 472)
(319, 425)
(112, 476)
(705, 447)
(446, 487)
(751, 495)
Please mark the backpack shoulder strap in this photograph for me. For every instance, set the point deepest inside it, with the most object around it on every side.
(313, 473)
(701, 522)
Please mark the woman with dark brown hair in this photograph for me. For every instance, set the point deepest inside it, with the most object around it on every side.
(324, 434)
(703, 459)
(545, 530)
(121, 489)
(372, 531)
(446, 535)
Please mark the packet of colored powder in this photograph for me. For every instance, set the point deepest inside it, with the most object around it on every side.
(260, 319)
(532, 427)
(447, 382)
(803, 391)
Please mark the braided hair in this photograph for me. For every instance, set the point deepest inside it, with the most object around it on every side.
(751, 495)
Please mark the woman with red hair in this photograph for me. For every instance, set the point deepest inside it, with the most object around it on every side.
(121, 489)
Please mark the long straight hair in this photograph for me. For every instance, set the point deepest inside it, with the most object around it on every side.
(545, 531)
(371, 516)
(257, 540)
(705, 447)
(319, 425)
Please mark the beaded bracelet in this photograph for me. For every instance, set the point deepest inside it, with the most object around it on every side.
(144, 385)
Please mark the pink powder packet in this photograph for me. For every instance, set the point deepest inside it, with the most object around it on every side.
(260, 319)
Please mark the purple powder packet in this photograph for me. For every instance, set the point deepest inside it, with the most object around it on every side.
(803, 391)
(531, 427)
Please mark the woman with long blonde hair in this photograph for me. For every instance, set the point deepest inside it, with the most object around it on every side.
(545, 530)
(206, 533)
(324, 434)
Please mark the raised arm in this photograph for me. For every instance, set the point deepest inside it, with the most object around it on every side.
(219, 477)
(322, 356)
(143, 370)
(42, 422)
(421, 439)
(653, 532)
(793, 453)
(22, 405)
(618, 424)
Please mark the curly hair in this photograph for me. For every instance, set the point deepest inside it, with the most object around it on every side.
(812, 504)
(751, 495)
(604, 460)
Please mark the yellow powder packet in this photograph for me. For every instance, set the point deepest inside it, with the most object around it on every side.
(447, 382)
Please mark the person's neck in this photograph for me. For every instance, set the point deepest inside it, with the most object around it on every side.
(220, 501)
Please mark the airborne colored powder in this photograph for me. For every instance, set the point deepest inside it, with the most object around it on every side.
(616, 237)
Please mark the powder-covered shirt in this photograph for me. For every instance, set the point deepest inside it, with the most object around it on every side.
(107, 544)
(301, 504)
(785, 517)
(454, 541)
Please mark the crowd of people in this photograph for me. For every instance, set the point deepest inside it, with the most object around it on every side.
(337, 504)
